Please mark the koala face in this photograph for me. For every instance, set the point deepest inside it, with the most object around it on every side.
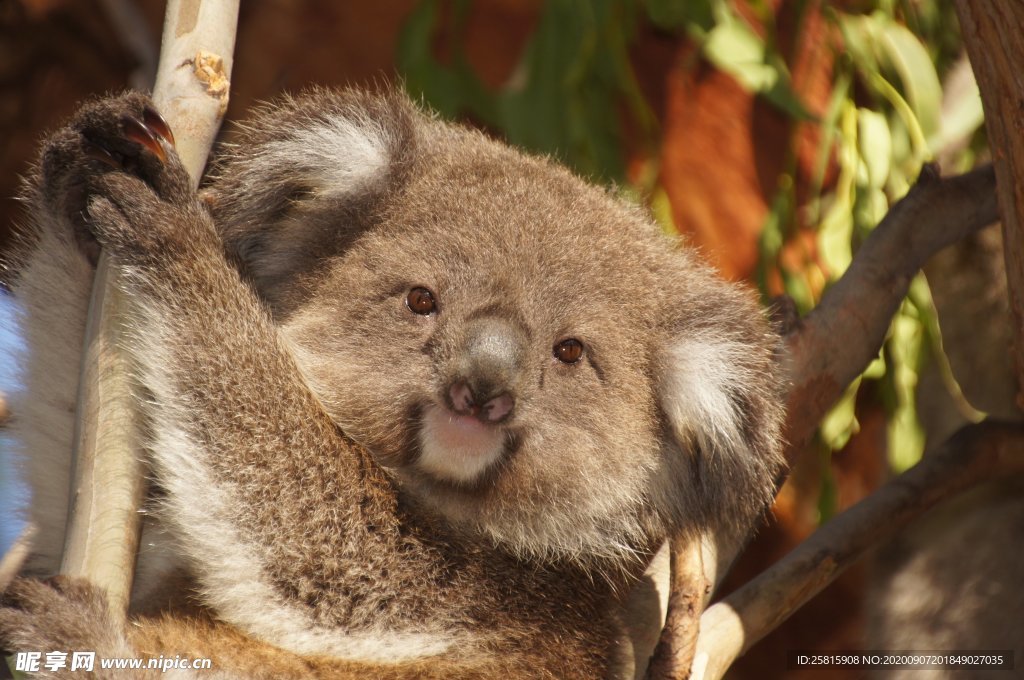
(528, 355)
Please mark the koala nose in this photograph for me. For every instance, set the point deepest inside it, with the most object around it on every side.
(487, 369)
(492, 410)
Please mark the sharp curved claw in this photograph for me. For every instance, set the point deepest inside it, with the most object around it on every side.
(156, 123)
(98, 153)
(137, 131)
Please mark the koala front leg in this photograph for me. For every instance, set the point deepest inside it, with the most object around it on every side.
(247, 456)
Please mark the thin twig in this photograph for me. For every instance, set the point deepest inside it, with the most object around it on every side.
(673, 656)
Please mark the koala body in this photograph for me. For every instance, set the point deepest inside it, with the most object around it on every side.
(419, 403)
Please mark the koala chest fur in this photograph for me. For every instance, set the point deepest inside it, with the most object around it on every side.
(415, 397)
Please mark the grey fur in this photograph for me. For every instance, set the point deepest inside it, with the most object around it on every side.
(302, 413)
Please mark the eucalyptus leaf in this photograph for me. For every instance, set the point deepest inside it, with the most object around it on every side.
(858, 41)
(661, 208)
(834, 237)
(906, 437)
(874, 142)
(734, 48)
(840, 423)
(917, 73)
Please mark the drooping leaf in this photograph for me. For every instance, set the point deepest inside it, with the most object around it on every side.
(874, 142)
(917, 72)
(840, 423)
(906, 437)
(734, 48)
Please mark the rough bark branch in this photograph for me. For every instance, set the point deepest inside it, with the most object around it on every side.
(976, 453)
(191, 92)
(829, 348)
(992, 34)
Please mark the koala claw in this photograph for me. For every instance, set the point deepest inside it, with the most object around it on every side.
(101, 154)
(155, 122)
(151, 132)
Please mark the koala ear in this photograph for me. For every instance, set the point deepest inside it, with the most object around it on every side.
(309, 179)
(720, 394)
(343, 152)
(701, 395)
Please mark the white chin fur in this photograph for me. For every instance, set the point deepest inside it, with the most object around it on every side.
(457, 448)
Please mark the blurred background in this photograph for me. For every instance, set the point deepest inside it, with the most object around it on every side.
(772, 134)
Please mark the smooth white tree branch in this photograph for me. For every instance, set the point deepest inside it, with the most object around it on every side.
(191, 92)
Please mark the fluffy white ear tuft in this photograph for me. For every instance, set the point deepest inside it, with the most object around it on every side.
(340, 155)
(700, 389)
(720, 393)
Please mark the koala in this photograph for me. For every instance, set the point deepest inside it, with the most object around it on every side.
(418, 404)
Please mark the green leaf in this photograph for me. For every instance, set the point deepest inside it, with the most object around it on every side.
(874, 142)
(661, 208)
(834, 236)
(16, 674)
(858, 41)
(906, 437)
(911, 60)
(835, 233)
(840, 423)
(574, 65)
(876, 369)
(734, 48)
(920, 296)
(449, 90)
(415, 60)
(869, 209)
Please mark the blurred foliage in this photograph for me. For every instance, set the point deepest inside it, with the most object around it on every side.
(565, 97)
(575, 92)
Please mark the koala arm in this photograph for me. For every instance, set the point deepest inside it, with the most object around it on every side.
(252, 465)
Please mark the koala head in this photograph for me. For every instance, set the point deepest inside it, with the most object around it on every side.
(528, 355)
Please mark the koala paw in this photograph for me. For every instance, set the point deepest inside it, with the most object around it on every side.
(113, 175)
(61, 614)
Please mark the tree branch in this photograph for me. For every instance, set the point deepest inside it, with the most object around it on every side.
(191, 92)
(673, 656)
(976, 453)
(829, 348)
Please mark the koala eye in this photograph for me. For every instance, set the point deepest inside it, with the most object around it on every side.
(568, 351)
(420, 301)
